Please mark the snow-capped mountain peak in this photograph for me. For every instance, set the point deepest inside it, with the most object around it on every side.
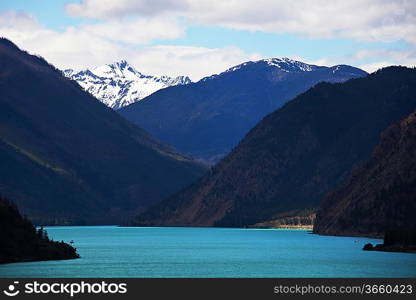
(119, 69)
(287, 66)
(283, 63)
(120, 84)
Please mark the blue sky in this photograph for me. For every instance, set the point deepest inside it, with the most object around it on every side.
(186, 37)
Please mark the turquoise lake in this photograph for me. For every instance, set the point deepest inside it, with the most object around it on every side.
(110, 251)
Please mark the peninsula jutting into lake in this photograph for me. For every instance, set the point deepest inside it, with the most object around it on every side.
(21, 241)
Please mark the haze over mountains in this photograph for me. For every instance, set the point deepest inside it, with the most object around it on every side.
(205, 120)
(295, 155)
(120, 84)
(67, 158)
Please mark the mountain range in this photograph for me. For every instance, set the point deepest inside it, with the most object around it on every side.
(66, 158)
(120, 84)
(343, 146)
(295, 155)
(206, 119)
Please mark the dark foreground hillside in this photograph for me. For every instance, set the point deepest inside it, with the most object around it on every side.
(380, 198)
(20, 241)
(66, 158)
(294, 156)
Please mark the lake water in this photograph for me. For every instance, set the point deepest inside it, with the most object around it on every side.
(109, 251)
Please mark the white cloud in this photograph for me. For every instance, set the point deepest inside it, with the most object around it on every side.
(372, 67)
(136, 31)
(71, 48)
(120, 8)
(385, 57)
(196, 62)
(371, 60)
(364, 20)
(98, 44)
(125, 28)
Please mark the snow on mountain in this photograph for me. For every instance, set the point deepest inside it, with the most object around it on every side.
(284, 64)
(288, 65)
(119, 84)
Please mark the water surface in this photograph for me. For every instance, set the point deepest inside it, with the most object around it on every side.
(109, 251)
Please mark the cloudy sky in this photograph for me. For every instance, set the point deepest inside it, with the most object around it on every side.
(199, 38)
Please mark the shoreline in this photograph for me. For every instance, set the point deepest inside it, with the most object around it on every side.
(292, 227)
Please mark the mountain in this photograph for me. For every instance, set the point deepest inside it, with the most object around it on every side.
(207, 119)
(294, 156)
(381, 196)
(67, 158)
(119, 84)
(20, 241)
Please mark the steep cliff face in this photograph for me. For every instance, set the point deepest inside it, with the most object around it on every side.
(381, 196)
(295, 155)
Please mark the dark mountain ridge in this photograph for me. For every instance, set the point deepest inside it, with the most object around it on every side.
(295, 155)
(380, 197)
(67, 158)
